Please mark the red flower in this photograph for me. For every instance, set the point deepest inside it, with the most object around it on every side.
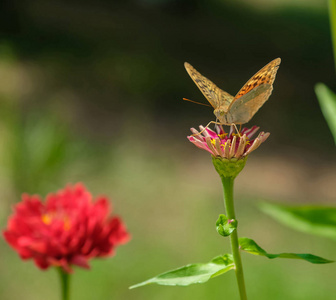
(68, 229)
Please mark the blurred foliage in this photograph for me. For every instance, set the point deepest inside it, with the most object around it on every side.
(327, 101)
(311, 219)
(36, 149)
(314, 219)
(325, 96)
(124, 60)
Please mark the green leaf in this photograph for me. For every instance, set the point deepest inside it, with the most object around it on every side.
(316, 220)
(194, 273)
(225, 226)
(252, 247)
(327, 101)
(332, 18)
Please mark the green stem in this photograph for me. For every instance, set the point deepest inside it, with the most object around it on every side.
(332, 18)
(230, 213)
(65, 282)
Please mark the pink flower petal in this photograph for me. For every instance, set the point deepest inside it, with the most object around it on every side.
(225, 145)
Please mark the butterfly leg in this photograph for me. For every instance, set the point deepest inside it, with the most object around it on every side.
(211, 122)
(236, 128)
(238, 131)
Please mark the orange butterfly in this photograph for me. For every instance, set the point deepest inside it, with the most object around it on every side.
(241, 108)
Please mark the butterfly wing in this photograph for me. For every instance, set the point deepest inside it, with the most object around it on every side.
(211, 92)
(244, 108)
(254, 93)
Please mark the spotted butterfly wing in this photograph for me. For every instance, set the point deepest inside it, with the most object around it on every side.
(211, 92)
(254, 93)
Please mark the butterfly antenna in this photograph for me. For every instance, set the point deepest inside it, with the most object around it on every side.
(185, 99)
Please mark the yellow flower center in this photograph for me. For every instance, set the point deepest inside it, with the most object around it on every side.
(48, 217)
(222, 136)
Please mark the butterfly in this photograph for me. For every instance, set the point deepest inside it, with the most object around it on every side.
(242, 107)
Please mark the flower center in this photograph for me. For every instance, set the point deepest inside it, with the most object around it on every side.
(222, 135)
(47, 219)
(223, 143)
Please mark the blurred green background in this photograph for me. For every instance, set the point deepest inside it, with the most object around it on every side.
(92, 92)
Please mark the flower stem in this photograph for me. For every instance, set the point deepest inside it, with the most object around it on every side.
(230, 212)
(65, 281)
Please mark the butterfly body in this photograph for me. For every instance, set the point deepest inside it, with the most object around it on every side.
(241, 108)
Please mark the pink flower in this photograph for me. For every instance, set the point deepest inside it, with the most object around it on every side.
(228, 145)
(68, 229)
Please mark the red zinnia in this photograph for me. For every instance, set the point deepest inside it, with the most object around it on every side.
(68, 229)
